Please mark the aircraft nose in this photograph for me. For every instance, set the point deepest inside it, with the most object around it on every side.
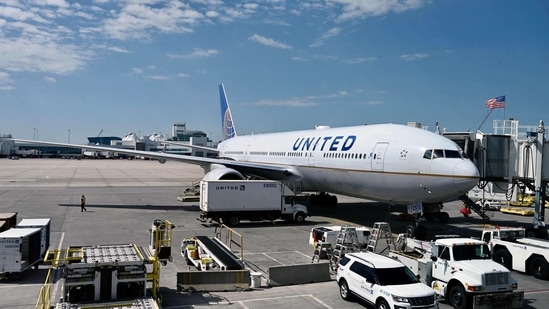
(466, 176)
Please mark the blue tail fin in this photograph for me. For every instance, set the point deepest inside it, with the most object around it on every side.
(229, 129)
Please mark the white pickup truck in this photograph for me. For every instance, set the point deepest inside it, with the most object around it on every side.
(511, 248)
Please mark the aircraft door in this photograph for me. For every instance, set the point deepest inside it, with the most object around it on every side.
(378, 156)
(311, 157)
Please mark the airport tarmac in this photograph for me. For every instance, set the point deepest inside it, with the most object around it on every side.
(124, 197)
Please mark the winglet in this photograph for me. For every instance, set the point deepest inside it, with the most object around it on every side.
(227, 123)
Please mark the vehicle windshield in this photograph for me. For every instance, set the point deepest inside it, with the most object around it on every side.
(471, 252)
(395, 276)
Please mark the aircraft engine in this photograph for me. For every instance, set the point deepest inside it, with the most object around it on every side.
(161, 161)
(223, 173)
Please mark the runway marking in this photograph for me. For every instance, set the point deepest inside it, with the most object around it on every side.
(56, 286)
(241, 302)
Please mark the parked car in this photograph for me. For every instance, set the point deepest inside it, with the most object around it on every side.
(382, 282)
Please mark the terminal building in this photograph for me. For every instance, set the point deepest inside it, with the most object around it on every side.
(153, 142)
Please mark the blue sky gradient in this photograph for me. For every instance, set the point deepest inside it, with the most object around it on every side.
(142, 65)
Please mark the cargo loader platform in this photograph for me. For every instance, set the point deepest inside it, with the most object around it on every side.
(221, 254)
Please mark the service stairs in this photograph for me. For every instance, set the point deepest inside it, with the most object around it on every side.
(347, 241)
(381, 240)
(484, 213)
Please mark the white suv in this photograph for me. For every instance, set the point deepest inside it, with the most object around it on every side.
(383, 282)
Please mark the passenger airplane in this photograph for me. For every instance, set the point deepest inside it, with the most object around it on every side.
(391, 163)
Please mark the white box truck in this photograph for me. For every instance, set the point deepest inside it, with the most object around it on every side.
(44, 226)
(229, 201)
(19, 250)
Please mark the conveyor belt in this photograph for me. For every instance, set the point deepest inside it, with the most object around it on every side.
(221, 254)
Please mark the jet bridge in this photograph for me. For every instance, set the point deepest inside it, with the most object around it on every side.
(513, 162)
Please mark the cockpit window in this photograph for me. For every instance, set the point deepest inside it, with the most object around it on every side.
(439, 153)
(452, 154)
(442, 153)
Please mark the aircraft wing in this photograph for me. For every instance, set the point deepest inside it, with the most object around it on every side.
(266, 171)
(190, 146)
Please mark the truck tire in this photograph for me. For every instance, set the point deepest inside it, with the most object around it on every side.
(231, 220)
(299, 217)
(344, 291)
(503, 257)
(457, 297)
(539, 268)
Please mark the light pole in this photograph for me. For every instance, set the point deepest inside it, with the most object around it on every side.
(35, 136)
(69, 140)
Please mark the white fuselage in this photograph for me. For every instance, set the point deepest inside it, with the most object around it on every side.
(384, 162)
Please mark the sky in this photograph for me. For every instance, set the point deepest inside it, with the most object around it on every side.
(73, 69)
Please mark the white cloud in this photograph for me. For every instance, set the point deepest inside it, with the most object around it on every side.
(197, 53)
(50, 79)
(325, 36)
(353, 9)
(6, 82)
(157, 77)
(36, 55)
(61, 37)
(139, 21)
(307, 101)
(268, 42)
(415, 56)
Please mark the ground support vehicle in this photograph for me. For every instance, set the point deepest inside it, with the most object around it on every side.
(44, 226)
(382, 282)
(7, 220)
(512, 249)
(329, 234)
(207, 253)
(461, 271)
(109, 276)
(229, 201)
(19, 250)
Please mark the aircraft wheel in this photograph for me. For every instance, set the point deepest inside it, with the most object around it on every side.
(542, 232)
(332, 200)
(411, 231)
(421, 232)
(443, 217)
(530, 232)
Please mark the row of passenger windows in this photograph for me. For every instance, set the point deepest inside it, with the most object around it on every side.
(336, 155)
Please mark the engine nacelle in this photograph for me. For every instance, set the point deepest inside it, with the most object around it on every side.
(223, 173)
(161, 161)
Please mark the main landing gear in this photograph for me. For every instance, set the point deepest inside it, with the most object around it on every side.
(323, 199)
(431, 212)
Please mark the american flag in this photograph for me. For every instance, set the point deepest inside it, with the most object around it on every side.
(497, 102)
